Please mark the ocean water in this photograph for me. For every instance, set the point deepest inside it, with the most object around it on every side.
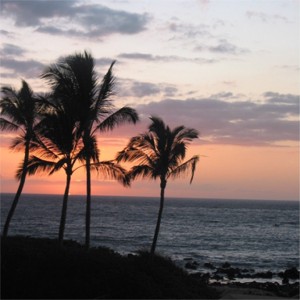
(262, 235)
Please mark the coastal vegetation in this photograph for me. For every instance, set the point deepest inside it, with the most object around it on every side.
(87, 108)
(159, 153)
(61, 130)
(40, 269)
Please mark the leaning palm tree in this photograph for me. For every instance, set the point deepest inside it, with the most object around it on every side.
(74, 79)
(159, 153)
(20, 113)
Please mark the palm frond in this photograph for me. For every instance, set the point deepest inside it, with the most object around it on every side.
(58, 165)
(186, 135)
(36, 165)
(111, 170)
(184, 168)
(8, 125)
(103, 104)
(119, 117)
(141, 171)
(18, 143)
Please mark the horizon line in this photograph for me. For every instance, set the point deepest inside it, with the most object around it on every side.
(152, 197)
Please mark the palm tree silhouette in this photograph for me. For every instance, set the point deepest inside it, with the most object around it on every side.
(74, 79)
(20, 113)
(159, 154)
(59, 147)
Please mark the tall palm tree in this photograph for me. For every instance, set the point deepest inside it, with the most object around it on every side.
(20, 113)
(61, 148)
(74, 79)
(159, 153)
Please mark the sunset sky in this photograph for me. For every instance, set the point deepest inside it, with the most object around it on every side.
(229, 69)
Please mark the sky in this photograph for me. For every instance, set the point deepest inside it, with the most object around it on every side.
(229, 69)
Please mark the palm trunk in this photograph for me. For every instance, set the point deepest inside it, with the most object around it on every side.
(19, 192)
(162, 198)
(64, 210)
(88, 204)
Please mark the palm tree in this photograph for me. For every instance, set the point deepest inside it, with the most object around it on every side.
(20, 111)
(159, 154)
(60, 148)
(74, 79)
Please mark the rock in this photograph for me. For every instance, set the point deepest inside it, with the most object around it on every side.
(226, 265)
(190, 266)
(291, 273)
(268, 274)
(230, 272)
(285, 280)
(197, 275)
(245, 271)
(209, 266)
(203, 278)
(217, 277)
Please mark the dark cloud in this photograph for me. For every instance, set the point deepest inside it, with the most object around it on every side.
(164, 58)
(27, 68)
(240, 122)
(5, 33)
(104, 61)
(223, 47)
(142, 89)
(11, 50)
(131, 88)
(140, 56)
(76, 19)
(32, 13)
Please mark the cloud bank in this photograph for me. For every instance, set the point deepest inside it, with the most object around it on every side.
(76, 19)
(270, 122)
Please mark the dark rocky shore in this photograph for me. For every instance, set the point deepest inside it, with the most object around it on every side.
(230, 276)
(41, 269)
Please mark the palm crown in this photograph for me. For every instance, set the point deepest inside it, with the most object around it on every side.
(160, 152)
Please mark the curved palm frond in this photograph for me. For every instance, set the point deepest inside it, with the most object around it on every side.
(103, 103)
(36, 165)
(18, 143)
(141, 171)
(183, 169)
(119, 117)
(8, 125)
(111, 170)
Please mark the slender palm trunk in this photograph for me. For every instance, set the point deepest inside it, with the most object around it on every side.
(64, 210)
(161, 206)
(19, 192)
(88, 203)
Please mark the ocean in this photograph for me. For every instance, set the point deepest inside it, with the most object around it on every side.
(262, 235)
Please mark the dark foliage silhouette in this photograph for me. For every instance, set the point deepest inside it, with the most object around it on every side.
(74, 80)
(19, 110)
(59, 148)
